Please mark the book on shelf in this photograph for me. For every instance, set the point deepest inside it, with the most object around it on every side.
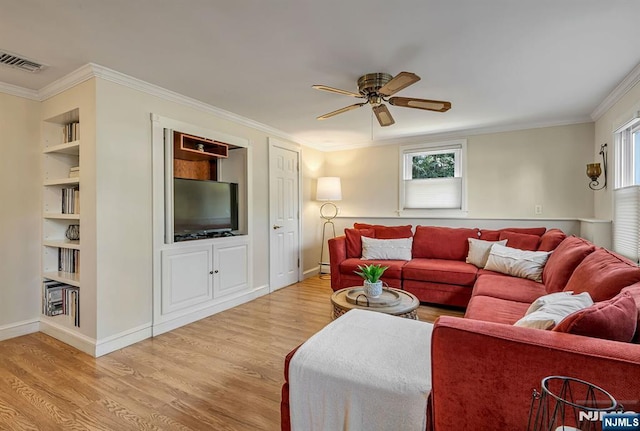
(68, 260)
(74, 171)
(61, 299)
(71, 200)
(71, 132)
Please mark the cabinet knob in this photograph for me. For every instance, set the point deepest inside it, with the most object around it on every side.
(216, 271)
(275, 226)
(210, 272)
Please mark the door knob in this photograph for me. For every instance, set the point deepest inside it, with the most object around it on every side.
(275, 226)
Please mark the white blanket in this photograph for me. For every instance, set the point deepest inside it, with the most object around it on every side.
(364, 371)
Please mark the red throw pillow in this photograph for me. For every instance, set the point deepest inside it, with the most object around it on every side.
(538, 231)
(523, 241)
(387, 232)
(603, 274)
(354, 240)
(634, 291)
(551, 239)
(615, 319)
(489, 235)
(442, 242)
(563, 261)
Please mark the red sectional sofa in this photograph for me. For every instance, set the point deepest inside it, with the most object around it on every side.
(437, 272)
(484, 368)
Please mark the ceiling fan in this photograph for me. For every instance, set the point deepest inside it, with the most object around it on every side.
(376, 88)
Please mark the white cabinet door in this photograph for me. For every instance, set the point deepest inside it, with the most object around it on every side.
(230, 267)
(186, 277)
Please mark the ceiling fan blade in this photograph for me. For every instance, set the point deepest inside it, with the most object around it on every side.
(383, 115)
(429, 105)
(400, 81)
(337, 90)
(341, 110)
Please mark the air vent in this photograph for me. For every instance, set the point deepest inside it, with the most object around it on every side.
(17, 62)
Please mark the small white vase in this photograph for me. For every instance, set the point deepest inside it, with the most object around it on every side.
(372, 290)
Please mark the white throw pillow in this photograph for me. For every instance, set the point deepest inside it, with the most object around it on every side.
(549, 315)
(386, 249)
(516, 262)
(479, 251)
(547, 299)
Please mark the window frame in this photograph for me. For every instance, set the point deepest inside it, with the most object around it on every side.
(405, 152)
(625, 157)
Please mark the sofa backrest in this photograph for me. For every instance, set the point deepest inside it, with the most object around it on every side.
(603, 274)
(387, 232)
(563, 261)
(494, 235)
(551, 239)
(436, 242)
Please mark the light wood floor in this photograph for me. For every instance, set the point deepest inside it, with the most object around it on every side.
(220, 373)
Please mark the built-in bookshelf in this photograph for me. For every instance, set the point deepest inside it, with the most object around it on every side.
(61, 246)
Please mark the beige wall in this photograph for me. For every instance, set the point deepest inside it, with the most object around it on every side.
(20, 181)
(626, 108)
(312, 168)
(508, 174)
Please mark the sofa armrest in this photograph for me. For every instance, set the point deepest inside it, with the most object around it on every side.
(484, 373)
(337, 254)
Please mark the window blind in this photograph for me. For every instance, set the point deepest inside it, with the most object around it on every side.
(626, 225)
(433, 193)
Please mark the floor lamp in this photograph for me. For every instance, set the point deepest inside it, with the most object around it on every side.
(328, 190)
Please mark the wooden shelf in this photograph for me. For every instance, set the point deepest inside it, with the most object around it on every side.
(66, 148)
(59, 216)
(62, 181)
(72, 279)
(189, 147)
(75, 245)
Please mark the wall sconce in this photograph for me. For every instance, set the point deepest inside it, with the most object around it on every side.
(594, 170)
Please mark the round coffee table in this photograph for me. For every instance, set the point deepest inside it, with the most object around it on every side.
(392, 301)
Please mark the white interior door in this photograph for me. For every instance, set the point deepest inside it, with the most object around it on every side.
(284, 208)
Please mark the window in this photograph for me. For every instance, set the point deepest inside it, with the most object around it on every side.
(626, 196)
(432, 176)
(627, 154)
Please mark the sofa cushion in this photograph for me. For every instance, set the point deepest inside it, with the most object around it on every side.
(563, 261)
(523, 241)
(479, 251)
(393, 249)
(615, 319)
(494, 234)
(440, 271)
(387, 232)
(551, 240)
(348, 266)
(507, 287)
(354, 241)
(437, 242)
(495, 310)
(516, 262)
(603, 274)
(634, 291)
(551, 314)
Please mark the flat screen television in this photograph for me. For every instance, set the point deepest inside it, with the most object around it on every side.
(204, 207)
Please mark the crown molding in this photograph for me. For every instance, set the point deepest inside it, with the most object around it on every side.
(72, 79)
(14, 90)
(627, 84)
(460, 134)
(154, 90)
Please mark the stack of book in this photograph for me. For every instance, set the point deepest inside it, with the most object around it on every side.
(68, 260)
(71, 200)
(74, 171)
(71, 132)
(59, 298)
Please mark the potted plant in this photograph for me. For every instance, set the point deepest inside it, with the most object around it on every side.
(371, 274)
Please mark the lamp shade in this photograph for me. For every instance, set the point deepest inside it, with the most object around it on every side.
(329, 189)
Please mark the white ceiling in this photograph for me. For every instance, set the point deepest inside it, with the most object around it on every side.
(502, 63)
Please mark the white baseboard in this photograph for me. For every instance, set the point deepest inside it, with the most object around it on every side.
(209, 310)
(79, 341)
(19, 328)
(123, 339)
